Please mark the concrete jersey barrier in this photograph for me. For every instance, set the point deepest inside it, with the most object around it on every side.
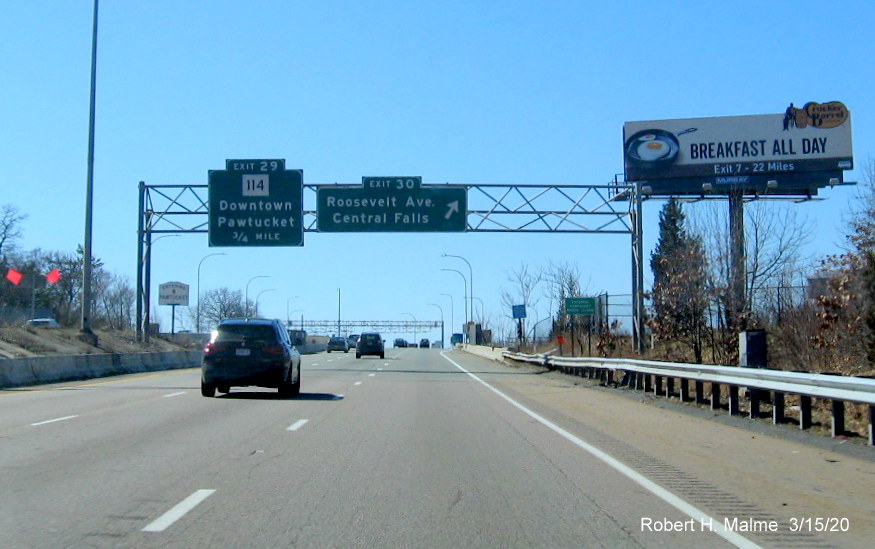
(16, 372)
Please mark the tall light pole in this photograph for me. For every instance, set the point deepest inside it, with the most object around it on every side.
(471, 275)
(199, 288)
(85, 333)
(465, 285)
(338, 312)
(259, 295)
(414, 327)
(442, 322)
(452, 315)
(246, 299)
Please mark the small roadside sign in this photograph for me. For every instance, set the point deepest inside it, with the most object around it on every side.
(580, 305)
(173, 293)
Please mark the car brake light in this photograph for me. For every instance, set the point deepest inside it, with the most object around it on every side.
(273, 349)
(213, 348)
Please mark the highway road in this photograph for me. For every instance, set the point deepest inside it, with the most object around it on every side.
(425, 448)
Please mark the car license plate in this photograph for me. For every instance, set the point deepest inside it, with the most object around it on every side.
(242, 352)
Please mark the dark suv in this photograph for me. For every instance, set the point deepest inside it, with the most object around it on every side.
(370, 343)
(250, 351)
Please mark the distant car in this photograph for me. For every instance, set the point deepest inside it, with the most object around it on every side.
(352, 340)
(456, 339)
(42, 323)
(338, 344)
(370, 343)
(424, 344)
(250, 351)
(400, 342)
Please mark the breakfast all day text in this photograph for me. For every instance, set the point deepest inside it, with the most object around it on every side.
(758, 148)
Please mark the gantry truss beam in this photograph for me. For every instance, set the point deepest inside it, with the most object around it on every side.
(358, 326)
(549, 208)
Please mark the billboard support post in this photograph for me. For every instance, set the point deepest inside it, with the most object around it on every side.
(637, 274)
(738, 273)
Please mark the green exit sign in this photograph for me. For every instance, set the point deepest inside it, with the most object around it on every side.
(256, 203)
(391, 204)
(580, 305)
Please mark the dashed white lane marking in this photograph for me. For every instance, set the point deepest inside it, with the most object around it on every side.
(297, 425)
(654, 488)
(167, 519)
(371, 375)
(379, 369)
(51, 420)
(357, 383)
(175, 394)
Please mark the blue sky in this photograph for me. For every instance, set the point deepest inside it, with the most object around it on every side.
(459, 92)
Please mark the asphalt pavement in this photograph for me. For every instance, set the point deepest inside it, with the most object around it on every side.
(425, 448)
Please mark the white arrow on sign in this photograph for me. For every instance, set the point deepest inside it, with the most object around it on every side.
(453, 207)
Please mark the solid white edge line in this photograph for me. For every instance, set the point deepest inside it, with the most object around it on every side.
(297, 425)
(51, 421)
(175, 394)
(167, 519)
(654, 488)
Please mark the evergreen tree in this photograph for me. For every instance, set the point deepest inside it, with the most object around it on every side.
(679, 295)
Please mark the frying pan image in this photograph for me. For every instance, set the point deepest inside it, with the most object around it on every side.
(653, 149)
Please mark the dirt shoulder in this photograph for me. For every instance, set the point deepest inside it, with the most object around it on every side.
(18, 342)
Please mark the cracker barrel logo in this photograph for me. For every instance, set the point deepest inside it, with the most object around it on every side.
(816, 115)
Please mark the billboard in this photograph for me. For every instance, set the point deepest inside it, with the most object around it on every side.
(795, 152)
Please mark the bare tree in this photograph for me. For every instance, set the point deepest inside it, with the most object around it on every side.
(846, 305)
(10, 228)
(221, 303)
(774, 237)
(524, 283)
(116, 302)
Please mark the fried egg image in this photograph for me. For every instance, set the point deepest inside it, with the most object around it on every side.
(653, 149)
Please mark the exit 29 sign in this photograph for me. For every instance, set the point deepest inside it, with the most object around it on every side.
(256, 203)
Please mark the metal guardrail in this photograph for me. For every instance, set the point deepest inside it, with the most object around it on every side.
(762, 385)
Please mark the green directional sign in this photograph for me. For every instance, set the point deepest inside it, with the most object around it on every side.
(580, 305)
(391, 204)
(256, 203)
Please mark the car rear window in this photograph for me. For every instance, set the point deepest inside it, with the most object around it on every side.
(370, 337)
(251, 334)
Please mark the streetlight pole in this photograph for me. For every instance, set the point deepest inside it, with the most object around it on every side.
(452, 315)
(259, 295)
(199, 288)
(471, 275)
(414, 327)
(465, 285)
(85, 333)
(442, 322)
(246, 299)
